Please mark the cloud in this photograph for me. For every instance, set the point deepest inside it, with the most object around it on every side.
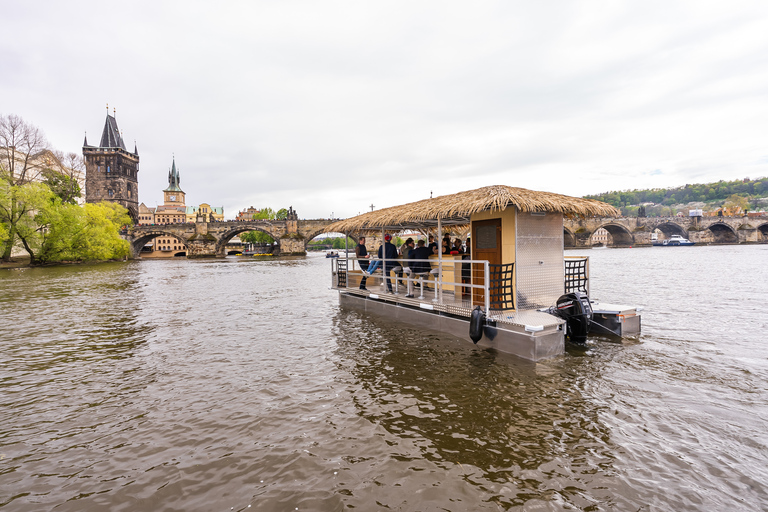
(333, 106)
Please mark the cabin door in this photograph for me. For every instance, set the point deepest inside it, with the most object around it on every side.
(486, 245)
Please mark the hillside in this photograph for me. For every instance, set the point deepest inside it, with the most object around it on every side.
(750, 194)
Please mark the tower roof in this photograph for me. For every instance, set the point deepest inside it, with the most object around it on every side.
(110, 137)
(173, 179)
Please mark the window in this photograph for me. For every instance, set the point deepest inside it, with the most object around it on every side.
(108, 169)
(110, 193)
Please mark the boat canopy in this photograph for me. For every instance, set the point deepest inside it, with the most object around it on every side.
(456, 209)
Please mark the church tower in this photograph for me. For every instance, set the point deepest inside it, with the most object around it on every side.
(111, 171)
(173, 195)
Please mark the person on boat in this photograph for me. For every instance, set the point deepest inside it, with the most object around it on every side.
(405, 252)
(361, 252)
(388, 251)
(432, 245)
(421, 252)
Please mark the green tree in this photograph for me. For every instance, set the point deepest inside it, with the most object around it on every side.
(259, 237)
(256, 237)
(62, 174)
(736, 201)
(21, 147)
(60, 231)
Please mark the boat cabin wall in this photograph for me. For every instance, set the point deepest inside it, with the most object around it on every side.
(539, 259)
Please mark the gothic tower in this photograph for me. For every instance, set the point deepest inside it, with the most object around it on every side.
(173, 194)
(111, 172)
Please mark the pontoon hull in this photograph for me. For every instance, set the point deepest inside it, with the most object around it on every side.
(509, 339)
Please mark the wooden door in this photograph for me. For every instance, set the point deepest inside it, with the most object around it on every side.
(486, 245)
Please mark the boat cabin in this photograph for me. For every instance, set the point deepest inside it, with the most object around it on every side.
(515, 271)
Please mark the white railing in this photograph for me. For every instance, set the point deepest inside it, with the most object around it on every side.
(436, 270)
(576, 277)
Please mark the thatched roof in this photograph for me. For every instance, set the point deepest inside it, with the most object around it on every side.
(456, 209)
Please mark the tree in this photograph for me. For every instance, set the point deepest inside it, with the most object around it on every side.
(736, 203)
(63, 176)
(21, 148)
(259, 237)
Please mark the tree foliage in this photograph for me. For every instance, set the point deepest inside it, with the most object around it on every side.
(717, 193)
(21, 145)
(259, 237)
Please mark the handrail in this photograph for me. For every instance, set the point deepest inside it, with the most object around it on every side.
(576, 277)
(439, 282)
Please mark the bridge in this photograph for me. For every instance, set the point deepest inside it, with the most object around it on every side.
(206, 239)
(636, 231)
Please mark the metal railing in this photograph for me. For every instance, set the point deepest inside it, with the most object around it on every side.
(576, 274)
(342, 270)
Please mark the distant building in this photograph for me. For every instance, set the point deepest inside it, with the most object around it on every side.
(247, 214)
(206, 211)
(111, 171)
(600, 237)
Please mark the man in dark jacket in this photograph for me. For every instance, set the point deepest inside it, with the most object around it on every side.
(390, 253)
(420, 253)
(362, 259)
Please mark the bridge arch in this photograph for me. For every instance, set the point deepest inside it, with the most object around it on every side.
(722, 233)
(146, 237)
(221, 245)
(311, 235)
(620, 235)
(670, 228)
(762, 233)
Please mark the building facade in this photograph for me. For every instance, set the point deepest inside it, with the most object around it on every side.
(111, 171)
(247, 214)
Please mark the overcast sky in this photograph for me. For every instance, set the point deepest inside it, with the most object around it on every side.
(334, 106)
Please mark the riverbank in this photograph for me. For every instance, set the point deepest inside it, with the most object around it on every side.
(15, 262)
(24, 262)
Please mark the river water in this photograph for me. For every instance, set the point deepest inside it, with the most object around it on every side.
(242, 385)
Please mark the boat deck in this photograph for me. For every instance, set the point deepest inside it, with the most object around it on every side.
(451, 304)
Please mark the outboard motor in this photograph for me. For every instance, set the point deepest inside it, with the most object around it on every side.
(576, 310)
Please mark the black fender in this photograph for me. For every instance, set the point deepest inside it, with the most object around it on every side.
(476, 323)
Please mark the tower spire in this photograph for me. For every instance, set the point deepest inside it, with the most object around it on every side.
(173, 178)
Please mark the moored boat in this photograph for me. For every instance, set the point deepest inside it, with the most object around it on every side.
(673, 241)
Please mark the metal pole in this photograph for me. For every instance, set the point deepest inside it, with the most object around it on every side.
(487, 287)
(383, 257)
(439, 290)
(346, 255)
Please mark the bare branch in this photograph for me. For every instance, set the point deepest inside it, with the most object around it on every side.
(22, 147)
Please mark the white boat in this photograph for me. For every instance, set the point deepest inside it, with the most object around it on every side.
(517, 294)
(672, 241)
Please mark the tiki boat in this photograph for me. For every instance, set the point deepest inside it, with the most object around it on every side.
(516, 292)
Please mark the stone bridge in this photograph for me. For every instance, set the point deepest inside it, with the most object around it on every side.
(636, 231)
(209, 239)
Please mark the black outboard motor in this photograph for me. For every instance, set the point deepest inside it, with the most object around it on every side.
(576, 310)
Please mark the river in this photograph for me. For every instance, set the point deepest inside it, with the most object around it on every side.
(239, 384)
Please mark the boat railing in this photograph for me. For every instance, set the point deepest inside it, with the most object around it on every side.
(495, 293)
(445, 292)
(576, 274)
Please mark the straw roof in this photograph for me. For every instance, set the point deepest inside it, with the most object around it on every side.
(456, 209)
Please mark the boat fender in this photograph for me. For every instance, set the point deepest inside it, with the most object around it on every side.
(476, 322)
